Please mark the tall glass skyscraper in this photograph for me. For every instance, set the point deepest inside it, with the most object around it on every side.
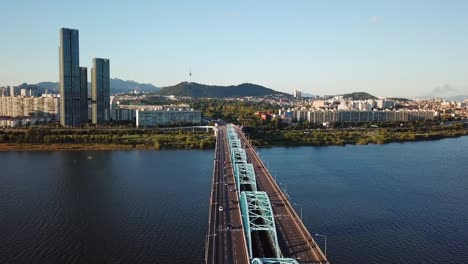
(100, 91)
(84, 94)
(70, 90)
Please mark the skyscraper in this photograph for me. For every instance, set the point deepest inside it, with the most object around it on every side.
(100, 92)
(84, 94)
(70, 90)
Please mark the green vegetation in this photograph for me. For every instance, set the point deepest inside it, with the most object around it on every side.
(126, 138)
(197, 90)
(238, 112)
(323, 137)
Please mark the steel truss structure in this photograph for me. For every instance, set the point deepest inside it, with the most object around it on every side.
(245, 175)
(257, 215)
(238, 155)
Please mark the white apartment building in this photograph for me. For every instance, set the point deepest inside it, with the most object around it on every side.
(29, 106)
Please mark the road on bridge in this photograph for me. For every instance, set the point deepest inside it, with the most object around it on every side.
(225, 241)
(294, 239)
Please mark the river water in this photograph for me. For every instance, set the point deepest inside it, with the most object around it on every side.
(394, 203)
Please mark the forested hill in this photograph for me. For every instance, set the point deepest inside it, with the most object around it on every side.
(198, 90)
(359, 96)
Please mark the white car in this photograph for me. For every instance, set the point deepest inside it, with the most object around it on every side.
(220, 208)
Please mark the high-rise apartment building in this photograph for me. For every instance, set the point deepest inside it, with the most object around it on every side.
(100, 91)
(18, 106)
(70, 89)
(297, 94)
(12, 91)
(84, 94)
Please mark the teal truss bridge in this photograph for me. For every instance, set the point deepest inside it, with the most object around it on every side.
(250, 219)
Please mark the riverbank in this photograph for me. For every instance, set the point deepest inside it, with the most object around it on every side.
(65, 147)
(7, 147)
(76, 140)
(58, 140)
(345, 137)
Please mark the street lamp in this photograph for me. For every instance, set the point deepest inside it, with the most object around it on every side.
(301, 208)
(325, 243)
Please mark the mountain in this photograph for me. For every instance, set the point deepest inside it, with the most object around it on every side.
(51, 86)
(359, 96)
(456, 98)
(34, 87)
(203, 90)
(116, 86)
(307, 95)
(121, 86)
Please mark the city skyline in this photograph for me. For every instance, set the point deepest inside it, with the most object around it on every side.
(389, 49)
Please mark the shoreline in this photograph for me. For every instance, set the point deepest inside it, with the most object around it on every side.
(10, 147)
(27, 147)
(359, 144)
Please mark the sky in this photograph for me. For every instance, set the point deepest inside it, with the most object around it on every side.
(387, 48)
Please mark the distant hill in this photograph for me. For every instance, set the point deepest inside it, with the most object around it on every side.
(203, 90)
(359, 96)
(34, 87)
(51, 86)
(117, 86)
(121, 86)
(399, 99)
(454, 98)
(307, 95)
(457, 98)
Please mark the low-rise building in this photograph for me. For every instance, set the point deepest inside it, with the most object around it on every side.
(321, 116)
(154, 118)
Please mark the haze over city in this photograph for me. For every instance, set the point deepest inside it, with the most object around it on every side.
(396, 48)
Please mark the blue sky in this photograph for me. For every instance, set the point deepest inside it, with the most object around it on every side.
(387, 48)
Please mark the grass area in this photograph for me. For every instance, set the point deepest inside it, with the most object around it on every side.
(40, 139)
(343, 137)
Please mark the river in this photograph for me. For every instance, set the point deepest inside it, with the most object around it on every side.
(394, 203)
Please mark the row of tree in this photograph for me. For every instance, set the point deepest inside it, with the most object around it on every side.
(146, 138)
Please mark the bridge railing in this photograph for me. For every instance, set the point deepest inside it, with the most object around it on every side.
(211, 203)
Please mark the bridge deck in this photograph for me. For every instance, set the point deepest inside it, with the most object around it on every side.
(295, 241)
(225, 241)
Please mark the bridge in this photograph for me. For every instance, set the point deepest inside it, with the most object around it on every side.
(250, 219)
